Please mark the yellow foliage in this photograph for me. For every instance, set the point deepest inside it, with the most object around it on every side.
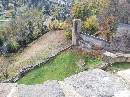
(90, 25)
(56, 25)
(36, 33)
(86, 8)
(43, 18)
(68, 30)
(15, 44)
(8, 14)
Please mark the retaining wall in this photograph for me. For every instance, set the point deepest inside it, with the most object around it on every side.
(92, 42)
(117, 57)
(24, 71)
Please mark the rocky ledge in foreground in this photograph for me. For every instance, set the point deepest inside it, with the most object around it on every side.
(95, 83)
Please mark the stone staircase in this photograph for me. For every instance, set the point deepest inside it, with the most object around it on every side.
(94, 83)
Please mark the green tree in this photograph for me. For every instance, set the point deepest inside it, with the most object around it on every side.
(86, 8)
(90, 26)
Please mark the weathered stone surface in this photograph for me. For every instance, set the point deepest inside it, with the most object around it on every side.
(97, 83)
(124, 78)
(75, 31)
(116, 57)
(125, 93)
(47, 89)
(8, 90)
(69, 90)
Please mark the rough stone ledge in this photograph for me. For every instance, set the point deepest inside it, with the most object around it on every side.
(94, 83)
(115, 57)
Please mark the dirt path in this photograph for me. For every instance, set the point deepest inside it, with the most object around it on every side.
(46, 45)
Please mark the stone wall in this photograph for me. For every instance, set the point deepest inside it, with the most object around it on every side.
(121, 41)
(92, 42)
(86, 41)
(116, 57)
(24, 71)
(123, 29)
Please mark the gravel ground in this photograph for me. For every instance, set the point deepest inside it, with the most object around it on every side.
(47, 89)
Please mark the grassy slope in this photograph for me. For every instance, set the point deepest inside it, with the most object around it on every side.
(48, 44)
(58, 69)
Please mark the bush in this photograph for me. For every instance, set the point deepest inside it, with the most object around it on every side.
(12, 47)
(68, 34)
(8, 14)
(37, 33)
(68, 30)
(1, 41)
(90, 26)
(22, 42)
(31, 37)
(56, 25)
(44, 29)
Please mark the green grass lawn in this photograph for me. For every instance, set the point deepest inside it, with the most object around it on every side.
(64, 65)
(94, 62)
(61, 67)
(118, 66)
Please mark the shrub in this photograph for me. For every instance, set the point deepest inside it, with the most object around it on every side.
(8, 14)
(12, 47)
(31, 37)
(68, 34)
(37, 33)
(1, 41)
(56, 25)
(68, 30)
(44, 29)
(22, 42)
(90, 26)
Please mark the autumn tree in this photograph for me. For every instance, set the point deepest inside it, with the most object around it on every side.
(91, 25)
(107, 27)
(86, 8)
(116, 12)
